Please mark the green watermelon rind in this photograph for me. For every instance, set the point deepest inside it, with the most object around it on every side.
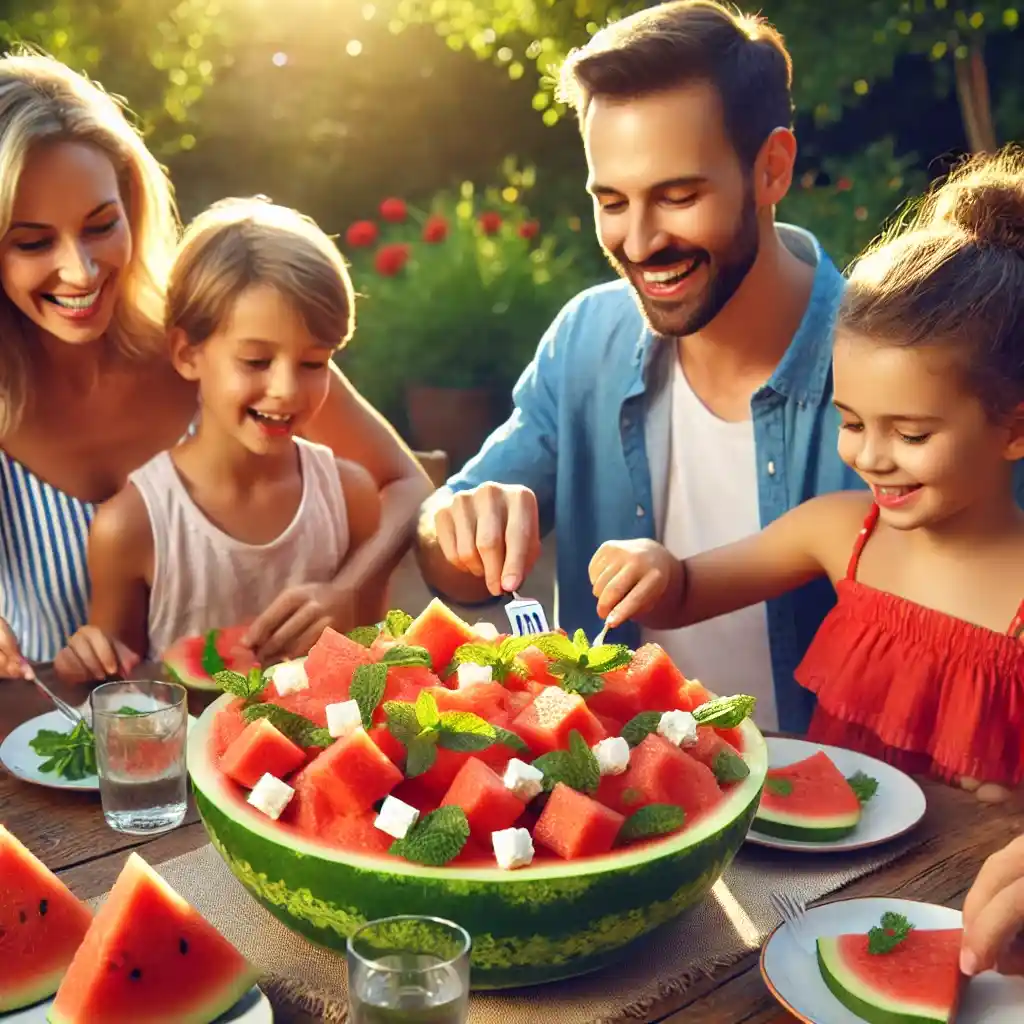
(868, 1003)
(804, 827)
(529, 926)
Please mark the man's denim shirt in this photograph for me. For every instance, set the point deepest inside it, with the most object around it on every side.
(589, 434)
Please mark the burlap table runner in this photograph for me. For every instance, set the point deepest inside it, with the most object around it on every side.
(307, 984)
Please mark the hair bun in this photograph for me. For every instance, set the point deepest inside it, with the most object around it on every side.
(985, 199)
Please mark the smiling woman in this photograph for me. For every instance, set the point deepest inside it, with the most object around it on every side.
(88, 392)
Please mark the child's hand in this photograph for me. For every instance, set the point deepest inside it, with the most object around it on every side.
(12, 664)
(631, 576)
(295, 620)
(994, 914)
(90, 654)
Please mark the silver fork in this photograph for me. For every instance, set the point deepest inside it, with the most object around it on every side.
(794, 914)
(526, 616)
(72, 714)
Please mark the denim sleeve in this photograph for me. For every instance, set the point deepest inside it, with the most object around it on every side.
(524, 449)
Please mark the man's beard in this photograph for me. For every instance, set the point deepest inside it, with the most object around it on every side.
(727, 269)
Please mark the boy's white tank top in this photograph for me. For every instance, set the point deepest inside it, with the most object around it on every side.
(205, 579)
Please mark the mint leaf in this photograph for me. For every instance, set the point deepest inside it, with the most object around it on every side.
(652, 820)
(300, 730)
(729, 767)
(509, 739)
(246, 687)
(777, 785)
(126, 710)
(397, 622)
(211, 660)
(554, 645)
(576, 767)
(556, 768)
(420, 755)
(427, 713)
(579, 638)
(364, 635)
(402, 721)
(435, 839)
(402, 655)
(725, 712)
(639, 727)
(863, 785)
(367, 690)
(501, 659)
(465, 732)
(608, 657)
(893, 930)
(71, 755)
(572, 679)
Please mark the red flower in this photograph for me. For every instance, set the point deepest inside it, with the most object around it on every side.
(390, 259)
(361, 234)
(490, 222)
(394, 211)
(435, 230)
(529, 229)
(844, 184)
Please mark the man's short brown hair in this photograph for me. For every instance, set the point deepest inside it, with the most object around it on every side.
(685, 41)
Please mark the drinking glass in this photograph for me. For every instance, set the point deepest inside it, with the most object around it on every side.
(140, 729)
(409, 970)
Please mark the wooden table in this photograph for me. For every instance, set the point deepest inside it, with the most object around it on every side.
(66, 830)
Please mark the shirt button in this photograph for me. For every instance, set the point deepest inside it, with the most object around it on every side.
(771, 468)
(640, 513)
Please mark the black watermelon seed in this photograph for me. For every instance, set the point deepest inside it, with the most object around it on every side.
(183, 946)
(22, 916)
(44, 906)
(136, 974)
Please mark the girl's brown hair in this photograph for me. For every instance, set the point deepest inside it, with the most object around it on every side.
(954, 274)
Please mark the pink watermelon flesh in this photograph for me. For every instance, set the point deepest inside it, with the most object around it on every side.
(441, 632)
(553, 714)
(481, 793)
(918, 980)
(713, 750)
(262, 749)
(352, 774)
(150, 958)
(809, 800)
(573, 825)
(185, 658)
(331, 662)
(41, 926)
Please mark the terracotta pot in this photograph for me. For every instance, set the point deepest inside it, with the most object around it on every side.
(454, 420)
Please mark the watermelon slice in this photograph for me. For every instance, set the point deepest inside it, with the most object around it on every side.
(811, 801)
(915, 981)
(150, 958)
(41, 926)
(194, 660)
(438, 629)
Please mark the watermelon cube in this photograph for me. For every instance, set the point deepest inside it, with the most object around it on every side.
(546, 723)
(388, 743)
(352, 774)
(718, 754)
(573, 825)
(483, 699)
(536, 662)
(261, 749)
(480, 792)
(355, 832)
(620, 697)
(438, 629)
(227, 727)
(655, 678)
(660, 773)
(332, 661)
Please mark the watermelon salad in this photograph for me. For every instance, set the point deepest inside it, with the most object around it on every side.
(895, 973)
(126, 963)
(557, 799)
(812, 801)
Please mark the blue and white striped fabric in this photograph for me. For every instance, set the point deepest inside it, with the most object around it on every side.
(44, 579)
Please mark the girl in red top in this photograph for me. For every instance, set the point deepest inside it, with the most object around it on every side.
(921, 662)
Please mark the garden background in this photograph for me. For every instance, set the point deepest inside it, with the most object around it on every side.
(423, 134)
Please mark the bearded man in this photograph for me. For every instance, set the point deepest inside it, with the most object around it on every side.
(691, 400)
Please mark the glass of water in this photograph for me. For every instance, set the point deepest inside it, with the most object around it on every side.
(409, 970)
(141, 729)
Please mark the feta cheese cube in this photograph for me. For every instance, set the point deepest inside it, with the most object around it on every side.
(471, 673)
(271, 796)
(523, 779)
(678, 727)
(290, 677)
(612, 755)
(486, 631)
(396, 817)
(513, 848)
(343, 718)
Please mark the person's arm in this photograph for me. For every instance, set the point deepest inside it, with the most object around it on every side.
(480, 534)
(363, 508)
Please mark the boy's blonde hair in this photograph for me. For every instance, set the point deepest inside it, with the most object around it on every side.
(240, 243)
(43, 102)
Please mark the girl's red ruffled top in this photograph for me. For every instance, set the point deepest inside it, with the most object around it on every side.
(922, 690)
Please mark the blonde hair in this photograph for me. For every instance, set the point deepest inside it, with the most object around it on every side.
(952, 272)
(43, 102)
(240, 243)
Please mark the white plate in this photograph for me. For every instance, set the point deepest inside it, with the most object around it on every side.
(252, 1008)
(792, 975)
(897, 806)
(21, 760)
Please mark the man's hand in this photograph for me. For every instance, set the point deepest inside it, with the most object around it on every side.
(90, 655)
(630, 577)
(994, 915)
(492, 532)
(293, 622)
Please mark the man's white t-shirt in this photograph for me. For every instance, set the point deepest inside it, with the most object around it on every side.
(711, 499)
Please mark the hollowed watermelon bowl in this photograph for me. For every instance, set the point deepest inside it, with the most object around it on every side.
(532, 925)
